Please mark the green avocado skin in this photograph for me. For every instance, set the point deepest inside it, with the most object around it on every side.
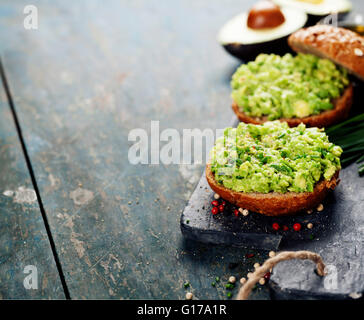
(287, 86)
(273, 158)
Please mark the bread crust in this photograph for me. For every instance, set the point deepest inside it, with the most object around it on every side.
(341, 111)
(342, 46)
(274, 203)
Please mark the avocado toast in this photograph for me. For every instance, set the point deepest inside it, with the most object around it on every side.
(273, 169)
(301, 89)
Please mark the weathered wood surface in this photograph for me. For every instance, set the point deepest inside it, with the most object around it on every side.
(81, 82)
(23, 237)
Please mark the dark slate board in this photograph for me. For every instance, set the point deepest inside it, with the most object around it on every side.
(337, 236)
(341, 247)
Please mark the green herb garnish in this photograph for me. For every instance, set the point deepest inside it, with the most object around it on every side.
(229, 286)
(349, 135)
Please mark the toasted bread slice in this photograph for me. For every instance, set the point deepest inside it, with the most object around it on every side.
(342, 46)
(327, 118)
(274, 203)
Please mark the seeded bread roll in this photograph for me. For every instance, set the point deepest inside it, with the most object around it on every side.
(274, 203)
(342, 46)
(327, 118)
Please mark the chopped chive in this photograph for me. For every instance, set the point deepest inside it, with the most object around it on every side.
(349, 136)
(335, 128)
(360, 159)
(361, 170)
(229, 286)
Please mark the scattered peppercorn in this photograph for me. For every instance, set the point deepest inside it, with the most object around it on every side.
(187, 221)
(189, 295)
(215, 203)
(186, 284)
(275, 226)
(309, 211)
(262, 281)
(249, 255)
(267, 276)
(232, 279)
(221, 208)
(310, 225)
(217, 279)
(229, 295)
(245, 212)
(320, 207)
(236, 212)
(297, 227)
(213, 284)
(216, 196)
(285, 228)
(214, 210)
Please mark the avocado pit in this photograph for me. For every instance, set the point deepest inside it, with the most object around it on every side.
(265, 15)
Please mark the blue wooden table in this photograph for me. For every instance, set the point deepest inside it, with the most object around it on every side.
(71, 204)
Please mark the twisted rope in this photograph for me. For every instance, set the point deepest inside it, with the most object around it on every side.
(271, 262)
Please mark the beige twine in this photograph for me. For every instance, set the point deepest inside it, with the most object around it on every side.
(271, 262)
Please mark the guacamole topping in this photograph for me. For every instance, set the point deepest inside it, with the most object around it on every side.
(287, 87)
(273, 158)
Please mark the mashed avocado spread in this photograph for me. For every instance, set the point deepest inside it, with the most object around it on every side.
(273, 157)
(287, 87)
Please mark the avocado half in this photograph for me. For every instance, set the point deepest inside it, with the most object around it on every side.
(246, 43)
(317, 9)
